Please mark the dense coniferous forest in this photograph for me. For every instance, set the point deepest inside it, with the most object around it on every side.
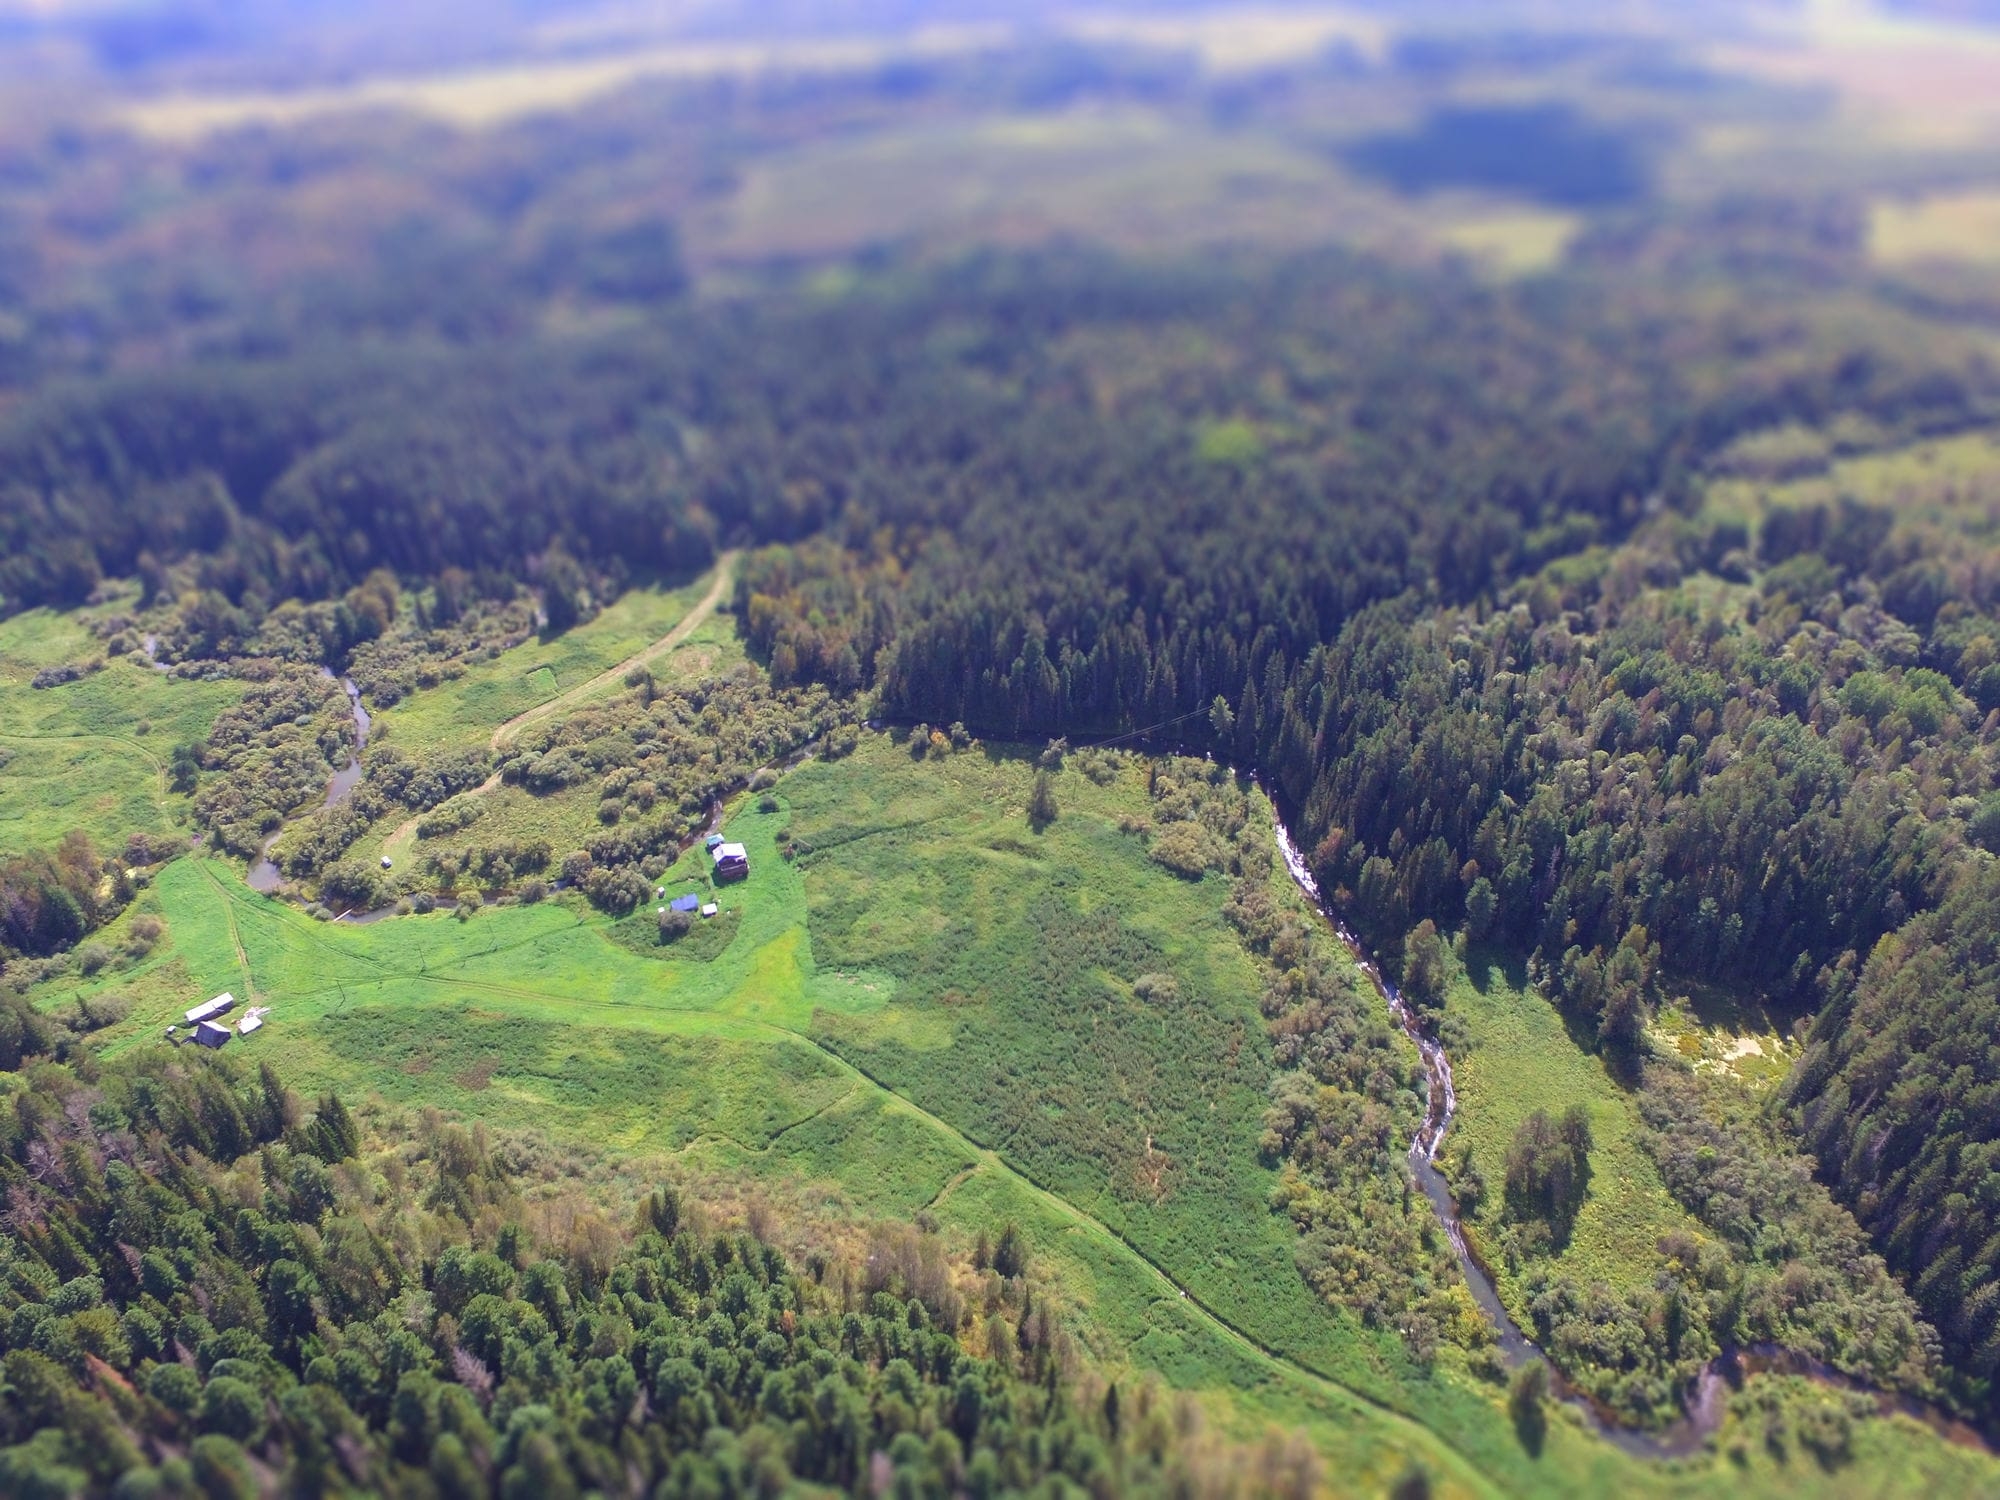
(212, 1289)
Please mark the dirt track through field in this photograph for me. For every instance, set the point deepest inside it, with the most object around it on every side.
(725, 575)
(978, 1157)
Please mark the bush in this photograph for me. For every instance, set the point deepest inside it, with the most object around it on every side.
(351, 883)
(675, 925)
(143, 933)
(1188, 849)
(92, 957)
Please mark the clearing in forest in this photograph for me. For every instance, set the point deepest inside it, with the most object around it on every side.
(90, 753)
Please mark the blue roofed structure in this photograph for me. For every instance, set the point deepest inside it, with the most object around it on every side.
(685, 903)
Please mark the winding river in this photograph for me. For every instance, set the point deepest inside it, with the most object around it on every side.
(264, 876)
(1708, 1400)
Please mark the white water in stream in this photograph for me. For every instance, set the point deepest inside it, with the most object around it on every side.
(1709, 1398)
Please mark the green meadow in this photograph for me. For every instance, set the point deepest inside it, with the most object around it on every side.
(931, 1006)
(1519, 1059)
(464, 713)
(90, 754)
(1950, 484)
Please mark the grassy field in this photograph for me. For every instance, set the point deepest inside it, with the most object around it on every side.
(1950, 483)
(1717, 1031)
(1513, 243)
(1131, 178)
(482, 97)
(1521, 1059)
(90, 754)
(531, 1017)
(933, 1007)
(463, 714)
(567, 819)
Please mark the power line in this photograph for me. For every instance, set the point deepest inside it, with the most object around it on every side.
(1198, 713)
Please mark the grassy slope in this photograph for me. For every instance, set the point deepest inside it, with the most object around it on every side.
(530, 1017)
(90, 754)
(1016, 955)
(464, 713)
(1952, 483)
(454, 714)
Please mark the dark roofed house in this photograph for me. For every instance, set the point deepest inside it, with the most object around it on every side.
(732, 862)
(208, 1034)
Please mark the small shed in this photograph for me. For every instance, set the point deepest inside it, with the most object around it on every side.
(208, 1010)
(685, 903)
(710, 910)
(208, 1034)
(732, 861)
(711, 842)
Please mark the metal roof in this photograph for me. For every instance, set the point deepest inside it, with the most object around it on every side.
(209, 1008)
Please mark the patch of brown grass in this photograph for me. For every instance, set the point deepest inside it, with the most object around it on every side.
(479, 1075)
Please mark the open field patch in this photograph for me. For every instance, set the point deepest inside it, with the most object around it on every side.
(1961, 226)
(1519, 1059)
(90, 753)
(465, 712)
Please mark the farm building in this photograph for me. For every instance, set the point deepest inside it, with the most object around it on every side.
(209, 1009)
(209, 1034)
(732, 862)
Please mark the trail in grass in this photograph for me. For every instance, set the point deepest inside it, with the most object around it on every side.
(235, 937)
(108, 739)
(982, 1157)
(1462, 1470)
(725, 576)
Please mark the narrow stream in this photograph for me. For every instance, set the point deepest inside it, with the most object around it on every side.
(264, 875)
(1708, 1401)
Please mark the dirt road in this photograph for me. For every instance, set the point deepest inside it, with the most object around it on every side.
(725, 577)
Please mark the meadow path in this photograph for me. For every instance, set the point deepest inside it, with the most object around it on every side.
(1463, 1476)
(725, 576)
